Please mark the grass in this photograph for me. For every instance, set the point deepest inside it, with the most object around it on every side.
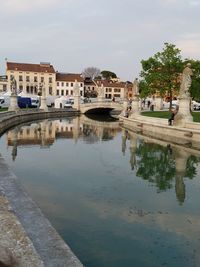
(166, 115)
(3, 109)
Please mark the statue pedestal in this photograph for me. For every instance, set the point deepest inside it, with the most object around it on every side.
(158, 103)
(135, 107)
(43, 104)
(76, 105)
(13, 103)
(124, 111)
(100, 98)
(184, 114)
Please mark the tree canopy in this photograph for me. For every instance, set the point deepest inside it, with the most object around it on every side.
(91, 72)
(161, 72)
(106, 74)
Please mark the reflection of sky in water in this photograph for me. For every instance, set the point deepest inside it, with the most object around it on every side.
(107, 214)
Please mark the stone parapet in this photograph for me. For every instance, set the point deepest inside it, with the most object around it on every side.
(158, 128)
(26, 236)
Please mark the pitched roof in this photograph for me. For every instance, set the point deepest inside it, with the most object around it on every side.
(42, 67)
(68, 77)
(108, 83)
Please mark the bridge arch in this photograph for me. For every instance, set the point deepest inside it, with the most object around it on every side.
(100, 107)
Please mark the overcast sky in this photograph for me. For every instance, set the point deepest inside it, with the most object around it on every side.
(109, 34)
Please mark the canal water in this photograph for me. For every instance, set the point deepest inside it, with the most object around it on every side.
(117, 198)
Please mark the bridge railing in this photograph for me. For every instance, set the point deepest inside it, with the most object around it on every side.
(104, 100)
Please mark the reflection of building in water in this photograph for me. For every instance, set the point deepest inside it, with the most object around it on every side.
(44, 133)
(93, 130)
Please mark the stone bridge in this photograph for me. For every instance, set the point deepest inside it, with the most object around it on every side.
(101, 107)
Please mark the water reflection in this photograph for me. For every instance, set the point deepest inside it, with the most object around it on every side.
(159, 162)
(111, 192)
(44, 133)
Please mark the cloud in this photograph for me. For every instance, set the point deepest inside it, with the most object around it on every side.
(189, 44)
(194, 3)
(22, 6)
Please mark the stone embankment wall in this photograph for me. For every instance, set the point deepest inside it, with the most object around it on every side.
(27, 238)
(159, 129)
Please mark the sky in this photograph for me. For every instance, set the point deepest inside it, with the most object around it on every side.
(111, 35)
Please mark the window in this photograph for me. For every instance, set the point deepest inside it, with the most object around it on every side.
(50, 90)
(71, 92)
(21, 88)
(117, 90)
(93, 88)
(4, 87)
(81, 85)
(81, 93)
(58, 83)
(67, 92)
(27, 89)
(42, 79)
(50, 79)
(20, 78)
(72, 84)
(35, 79)
(57, 92)
(67, 84)
(31, 89)
(27, 79)
(62, 84)
(62, 92)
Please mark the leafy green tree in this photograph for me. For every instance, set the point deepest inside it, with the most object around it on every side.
(106, 74)
(195, 87)
(161, 73)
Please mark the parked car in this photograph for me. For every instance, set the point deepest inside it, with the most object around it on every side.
(69, 103)
(196, 105)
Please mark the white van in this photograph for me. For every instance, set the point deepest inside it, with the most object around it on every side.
(69, 103)
(4, 101)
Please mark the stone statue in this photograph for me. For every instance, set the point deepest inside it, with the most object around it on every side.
(135, 90)
(41, 91)
(13, 85)
(76, 88)
(186, 81)
(101, 91)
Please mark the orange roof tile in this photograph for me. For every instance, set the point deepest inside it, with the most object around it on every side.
(42, 67)
(68, 77)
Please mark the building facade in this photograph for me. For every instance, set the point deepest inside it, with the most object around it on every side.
(3, 84)
(29, 77)
(65, 84)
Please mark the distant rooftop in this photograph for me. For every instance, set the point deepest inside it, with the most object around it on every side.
(43, 67)
(69, 77)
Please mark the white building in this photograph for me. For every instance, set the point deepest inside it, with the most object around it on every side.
(3, 84)
(65, 83)
(30, 76)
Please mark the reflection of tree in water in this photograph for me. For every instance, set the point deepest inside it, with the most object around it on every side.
(191, 165)
(155, 164)
(163, 165)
